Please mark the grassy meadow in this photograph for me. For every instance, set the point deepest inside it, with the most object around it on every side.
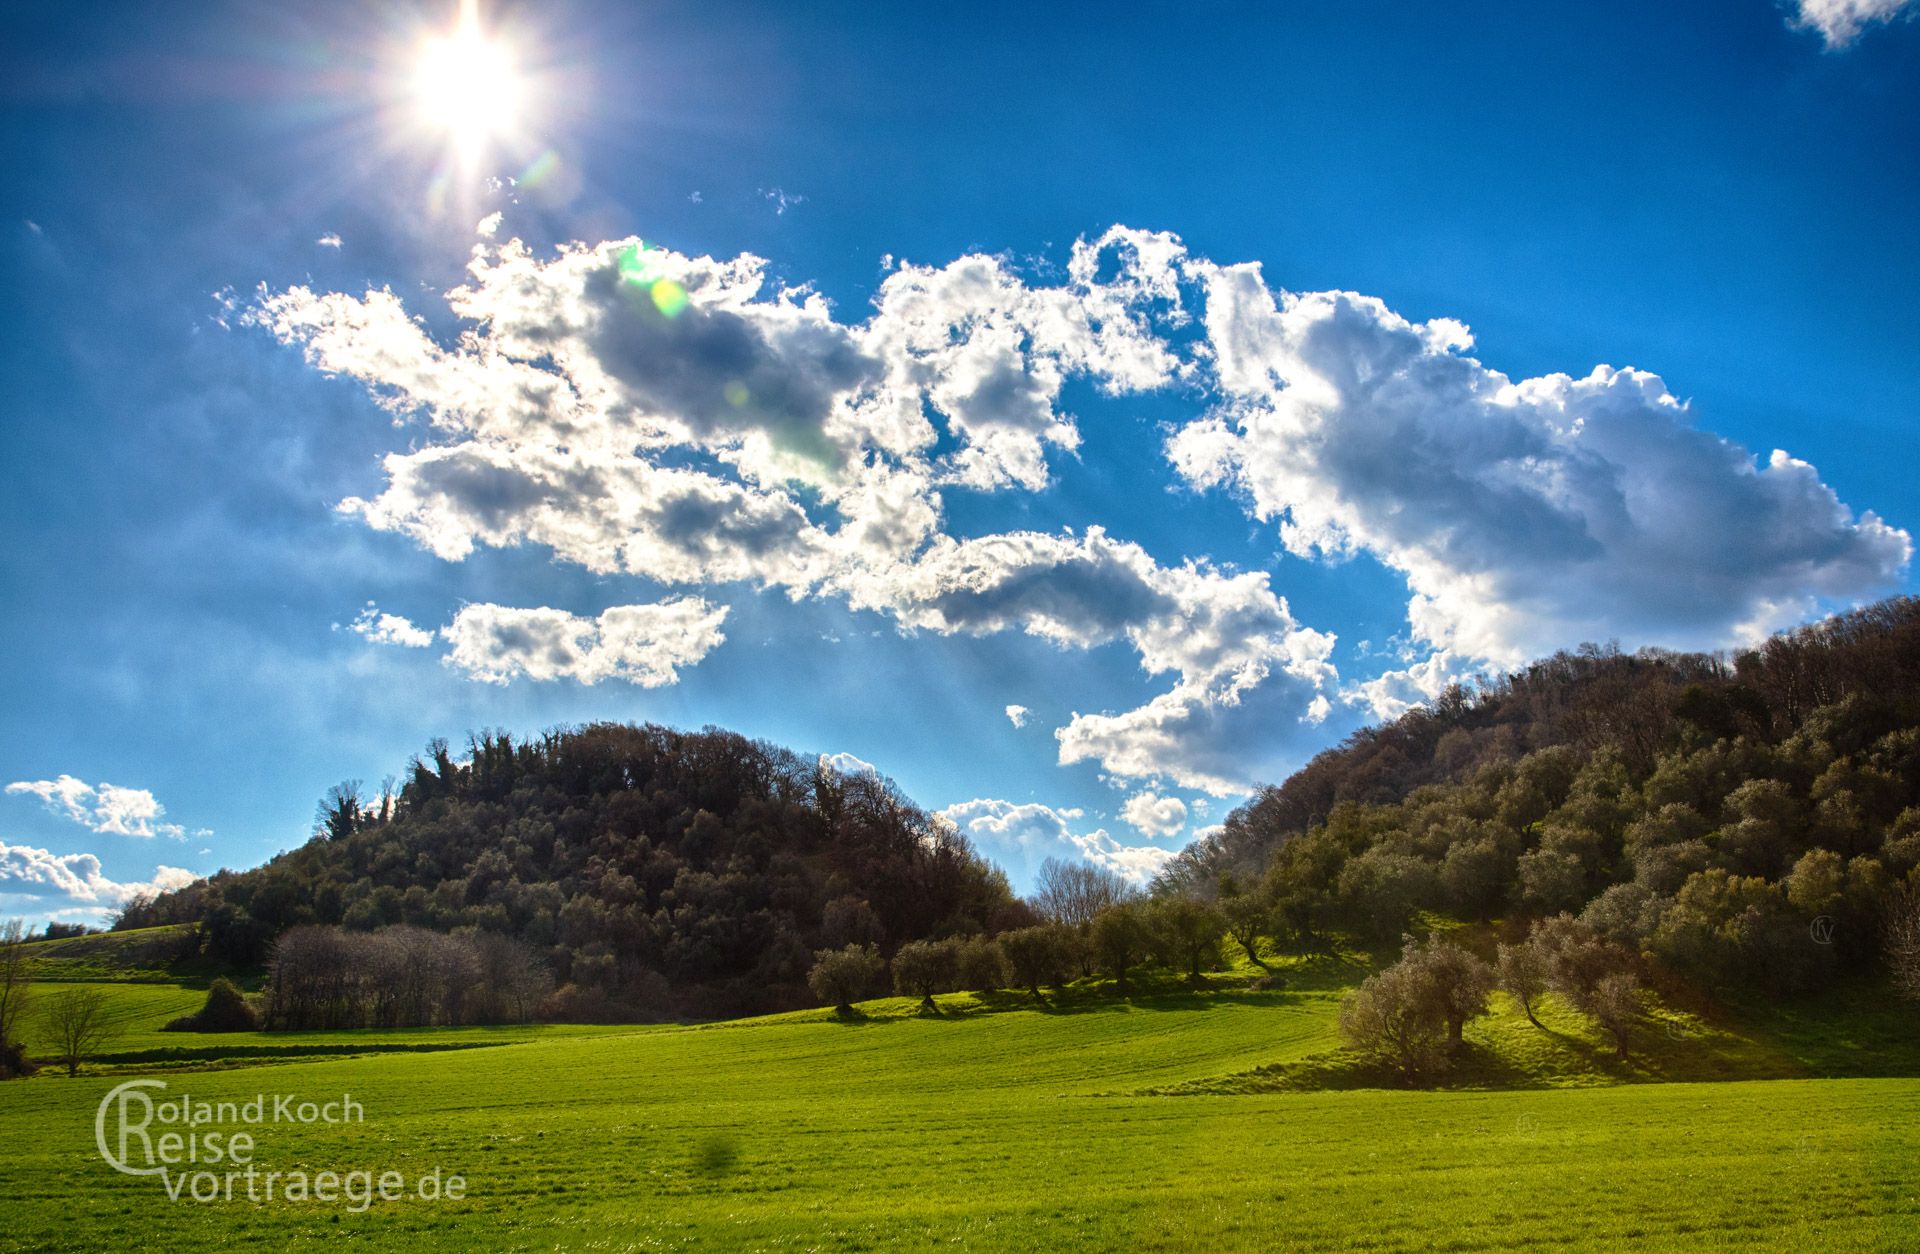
(1177, 1118)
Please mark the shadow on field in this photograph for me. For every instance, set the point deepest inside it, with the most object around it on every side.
(218, 1053)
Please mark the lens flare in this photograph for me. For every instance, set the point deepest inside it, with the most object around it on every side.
(668, 297)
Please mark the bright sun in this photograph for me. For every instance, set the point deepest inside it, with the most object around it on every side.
(467, 85)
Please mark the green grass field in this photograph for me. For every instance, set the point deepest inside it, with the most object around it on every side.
(1180, 1119)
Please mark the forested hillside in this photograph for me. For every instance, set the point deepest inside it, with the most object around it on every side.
(666, 873)
(1748, 821)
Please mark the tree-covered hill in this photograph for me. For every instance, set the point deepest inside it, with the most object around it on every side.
(1749, 821)
(663, 872)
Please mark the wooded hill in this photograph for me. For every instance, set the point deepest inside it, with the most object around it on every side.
(1747, 820)
(683, 874)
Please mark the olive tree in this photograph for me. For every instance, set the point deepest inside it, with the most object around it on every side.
(1390, 1019)
(1615, 1006)
(926, 967)
(1120, 940)
(843, 976)
(1189, 932)
(1035, 956)
(1521, 972)
(1458, 982)
(981, 964)
(1247, 918)
(1411, 1015)
(1593, 973)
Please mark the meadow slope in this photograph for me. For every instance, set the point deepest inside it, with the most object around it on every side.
(998, 1126)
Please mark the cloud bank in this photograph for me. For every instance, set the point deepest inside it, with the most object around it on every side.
(679, 420)
(72, 884)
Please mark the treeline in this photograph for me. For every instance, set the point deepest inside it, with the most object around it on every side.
(655, 873)
(1094, 923)
(1751, 823)
(401, 977)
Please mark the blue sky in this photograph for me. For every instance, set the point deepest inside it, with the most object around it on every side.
(1204, 380)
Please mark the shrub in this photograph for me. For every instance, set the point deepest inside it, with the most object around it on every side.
(14, 1061)
(226, 1010)
(571, 1003)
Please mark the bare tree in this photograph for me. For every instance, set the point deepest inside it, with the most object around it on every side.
(79, 1024)
(1903, 944)
(14, 978)
(511, 982)
(401, 976)
(1074, 893)
(340, 811)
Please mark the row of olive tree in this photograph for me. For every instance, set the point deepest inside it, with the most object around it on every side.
(1411, 1017)
(1096, 923)
(401, 976)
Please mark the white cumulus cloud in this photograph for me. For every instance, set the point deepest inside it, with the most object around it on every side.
(1017, 715)
(106, 807)
(1154, 815)
(1525, 515)
(847, 764)
(390, 629)
(55, 880)
(641, 644)
(1020, 836)
(1841, 21)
